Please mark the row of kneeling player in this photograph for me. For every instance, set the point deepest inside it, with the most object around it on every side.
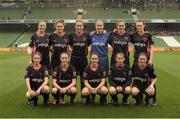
(136, 81)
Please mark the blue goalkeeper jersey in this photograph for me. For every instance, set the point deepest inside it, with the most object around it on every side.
(99, 44)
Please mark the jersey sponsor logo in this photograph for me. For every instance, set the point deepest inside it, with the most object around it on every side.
(79, 44)
(119, 79)
(37, 80)
(140, 44)
(98, 44)
(120, 42)
(140, 79)
(64, 81)
(42, 45)
(60, 45)
(94, 81)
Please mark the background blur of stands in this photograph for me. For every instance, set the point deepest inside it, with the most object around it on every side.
(19, 18)
(142, 4)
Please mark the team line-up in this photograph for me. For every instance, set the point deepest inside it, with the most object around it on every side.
(68, 54)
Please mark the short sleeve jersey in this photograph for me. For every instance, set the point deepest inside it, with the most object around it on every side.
(119, 77)
(59, 44)
(119, 43)
(36, 77)
(99, 44)
(143, 75)
(94, 77)
(64, 78)
(40, 44)
(79, 44)
(142, 43)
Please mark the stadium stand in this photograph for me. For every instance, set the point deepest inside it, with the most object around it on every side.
(22, 16)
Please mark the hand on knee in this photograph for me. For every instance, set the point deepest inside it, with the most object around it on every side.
(54, 90)
(103, 90)
(45, 89)
(85, 91)
(127, 90)
(134, 91)
(112, 90)
(119, 89)
(73, 90)
(150, 91)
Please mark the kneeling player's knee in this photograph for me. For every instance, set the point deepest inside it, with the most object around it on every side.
(119, 89)
(104, 90)
(134, 91)
(54, 90)
(127, 90)
(46, 89)
(85, 91)
(73, 90)
(112, 90)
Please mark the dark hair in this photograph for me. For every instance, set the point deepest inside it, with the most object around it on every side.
(119, 21)
(119, 53)
(142, 22)
(64, 53)
(79, 21)
(59, 21)
(41, 22)
(142, 54)
(37, 53)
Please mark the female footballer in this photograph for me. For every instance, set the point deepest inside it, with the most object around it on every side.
(37, 80)
(144, 79)
(58, 43)
(119, 40)
(120, 80)
(79, 42)
(143, 43)
(64, 80)
(40, 43)
(94, 80)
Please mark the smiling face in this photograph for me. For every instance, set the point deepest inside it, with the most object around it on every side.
(64, 58)
(142, 61)
(79, 27)
(94, 59)
(36, 59)
(140, 26)
(42, 26)
(120, 58)
(99, 26)
(121, 26)
(59, 27)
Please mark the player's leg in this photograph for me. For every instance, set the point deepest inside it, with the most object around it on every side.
(86, 94)
(113, 94)
(72, 91)
(45, 94)
(31, 98)
(126, 94)
(154, 97)
(135, 94)
(103, 91)
(55, 94)
(149, 92)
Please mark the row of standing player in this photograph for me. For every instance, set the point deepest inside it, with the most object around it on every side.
(79, 41)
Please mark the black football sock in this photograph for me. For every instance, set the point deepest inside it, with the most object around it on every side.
(73, 96)
(56, 96)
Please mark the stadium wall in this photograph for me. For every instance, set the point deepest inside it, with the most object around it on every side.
(155, 27)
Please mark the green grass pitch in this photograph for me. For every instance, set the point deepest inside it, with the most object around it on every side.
(13, 102)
